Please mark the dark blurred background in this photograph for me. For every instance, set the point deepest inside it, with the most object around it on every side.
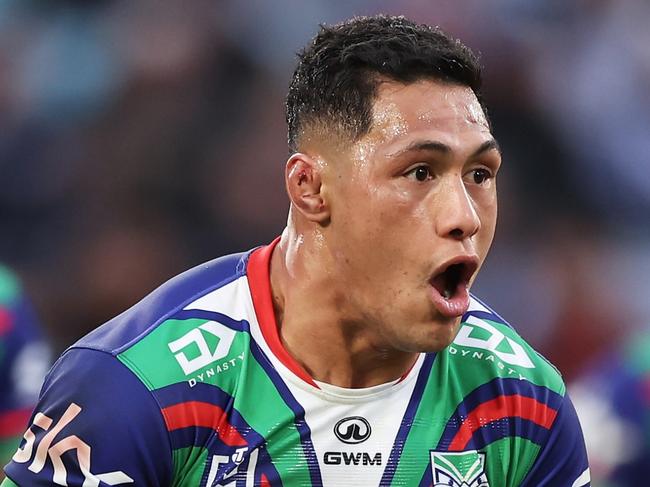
(139, 138)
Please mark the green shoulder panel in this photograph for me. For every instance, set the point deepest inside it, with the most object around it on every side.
(187, 352)
(485, 349)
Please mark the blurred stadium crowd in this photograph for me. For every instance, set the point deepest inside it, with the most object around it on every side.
(139, 138)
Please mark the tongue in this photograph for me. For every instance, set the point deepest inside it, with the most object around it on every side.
(446, 284)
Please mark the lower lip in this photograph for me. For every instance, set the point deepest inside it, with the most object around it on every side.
(453, 307)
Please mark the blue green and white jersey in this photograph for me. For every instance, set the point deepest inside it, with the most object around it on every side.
(192, 387)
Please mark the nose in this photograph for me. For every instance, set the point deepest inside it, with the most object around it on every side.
(456, 214)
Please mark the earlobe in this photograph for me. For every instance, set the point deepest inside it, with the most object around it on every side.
(303, 178)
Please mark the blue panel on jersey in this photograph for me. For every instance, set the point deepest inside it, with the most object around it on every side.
(507, 427)
(122, 331)
(492, 315)
(485, 315)
(113, 425)
(227, 321)
(563, 458)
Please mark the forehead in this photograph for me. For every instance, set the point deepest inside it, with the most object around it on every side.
(446, 109)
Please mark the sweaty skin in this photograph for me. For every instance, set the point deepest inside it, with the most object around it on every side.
(369, 224)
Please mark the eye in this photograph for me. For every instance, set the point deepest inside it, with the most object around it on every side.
(480, 175)
(420, 173)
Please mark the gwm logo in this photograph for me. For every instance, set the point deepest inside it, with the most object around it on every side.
(195, 340)
(352, 430)
(458, 469)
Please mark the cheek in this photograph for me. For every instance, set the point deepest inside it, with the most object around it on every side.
(395, 206)
(484, 199)
(377, 211)
(375, 226)
(487, 209)
(492, 206)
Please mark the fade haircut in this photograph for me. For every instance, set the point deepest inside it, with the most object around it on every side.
(335, 83)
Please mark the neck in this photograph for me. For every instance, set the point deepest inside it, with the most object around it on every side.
(317, 323)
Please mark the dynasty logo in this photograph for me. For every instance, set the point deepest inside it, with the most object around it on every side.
(195, 340)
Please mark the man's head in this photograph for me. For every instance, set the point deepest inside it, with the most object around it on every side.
(393, 171)
(335, 83)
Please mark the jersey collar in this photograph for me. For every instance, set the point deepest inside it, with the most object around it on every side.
(259, 281)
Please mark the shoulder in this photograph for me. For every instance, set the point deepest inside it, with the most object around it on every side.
(505, 390)
(122, 371)
(487, 345)
(184, 329)
(173, 296)
(136, 369)
(103, 415)
(192, 328)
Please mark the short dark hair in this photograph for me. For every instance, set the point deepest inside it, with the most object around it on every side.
(335, 82)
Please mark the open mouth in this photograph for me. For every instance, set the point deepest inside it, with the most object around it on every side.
(450, 285)
(453, 279)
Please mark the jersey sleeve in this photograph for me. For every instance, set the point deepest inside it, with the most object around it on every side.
(562, 461)
(24, 360)
(95, 424)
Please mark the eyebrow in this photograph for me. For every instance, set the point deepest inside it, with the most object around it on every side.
(435, 146)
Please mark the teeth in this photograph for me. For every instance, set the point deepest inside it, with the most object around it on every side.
(446, 294)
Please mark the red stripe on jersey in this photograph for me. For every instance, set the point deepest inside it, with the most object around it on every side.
(260, 285)
(499, 408)
(203, 414)
(13, 423)
(264, 481)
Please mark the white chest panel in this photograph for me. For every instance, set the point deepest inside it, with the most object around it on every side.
(353, 430)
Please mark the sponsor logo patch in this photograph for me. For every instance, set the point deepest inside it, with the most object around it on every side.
(186, 347)
(46, 449)
(351, 458)
(477, 333)
(352, 430)
(224, 469)
(459, 469)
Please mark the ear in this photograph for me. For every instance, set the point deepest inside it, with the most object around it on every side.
(304, 185)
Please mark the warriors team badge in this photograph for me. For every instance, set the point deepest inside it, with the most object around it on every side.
(458, 469)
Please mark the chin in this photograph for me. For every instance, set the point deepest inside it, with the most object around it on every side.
(438, 336)
(436, 345)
